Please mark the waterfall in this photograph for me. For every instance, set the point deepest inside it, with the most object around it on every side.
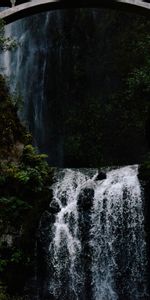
(98, 249)
(26, 68)
(66, 247)
(26, 73)
(66, 69)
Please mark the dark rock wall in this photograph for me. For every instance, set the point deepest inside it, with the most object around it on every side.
(82, 102)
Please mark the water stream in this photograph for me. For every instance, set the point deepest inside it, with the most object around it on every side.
(110, 231)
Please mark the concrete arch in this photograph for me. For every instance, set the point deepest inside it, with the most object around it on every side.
(29, 8)
(7, 3)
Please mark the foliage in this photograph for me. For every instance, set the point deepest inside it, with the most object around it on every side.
(12, 209)
(25, 178)
(6, 43)
(11, 130)
(24, 190)
(17, 100)
(4, 295)
(3, 264)
(31, 158)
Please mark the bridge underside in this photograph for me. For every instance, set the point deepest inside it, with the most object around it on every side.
(7, 3)
(29, 8)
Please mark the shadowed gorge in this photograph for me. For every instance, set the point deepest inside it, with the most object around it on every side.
(87, 101)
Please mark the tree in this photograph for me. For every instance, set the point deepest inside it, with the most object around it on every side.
(6, 43)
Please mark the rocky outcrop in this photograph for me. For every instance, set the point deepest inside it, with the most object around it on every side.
(101, 176)
(85, 203)
(54, 207)
(85, 200)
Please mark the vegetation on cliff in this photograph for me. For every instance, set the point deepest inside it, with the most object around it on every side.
(25, 178)
(6, 43)
(24, 196)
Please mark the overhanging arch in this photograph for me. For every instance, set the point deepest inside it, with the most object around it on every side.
(30, 8)
(7, 3)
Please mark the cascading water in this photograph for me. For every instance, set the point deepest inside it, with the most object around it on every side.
(98, 237)
(27, 67)
(118, 237)
(66, 247)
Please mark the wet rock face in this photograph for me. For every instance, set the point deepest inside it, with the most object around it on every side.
(101, 176)
(85, 200)
(85, 203)
(54, 207)
(44, 237)
(144, 177)
(147, 224)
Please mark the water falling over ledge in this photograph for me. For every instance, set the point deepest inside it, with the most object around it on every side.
(98, 249)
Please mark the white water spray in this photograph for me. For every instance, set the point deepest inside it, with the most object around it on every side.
(117, 241)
